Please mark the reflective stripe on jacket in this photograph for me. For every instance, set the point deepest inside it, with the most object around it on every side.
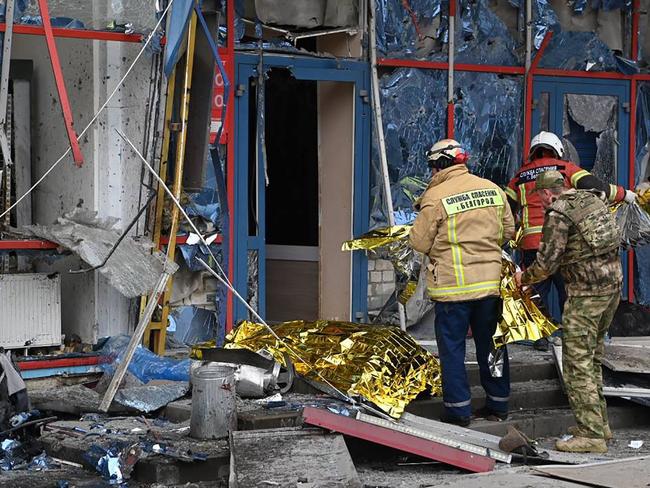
(520, 189)
(462, 224)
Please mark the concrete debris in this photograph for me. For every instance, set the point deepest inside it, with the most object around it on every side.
(631, 473)
(133, 269)
(299, 458)
(152, 396)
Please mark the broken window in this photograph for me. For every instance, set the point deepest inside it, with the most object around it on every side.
(642, 172)
(488, 124)
(590, 126)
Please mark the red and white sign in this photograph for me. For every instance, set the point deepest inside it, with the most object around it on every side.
(218, 99)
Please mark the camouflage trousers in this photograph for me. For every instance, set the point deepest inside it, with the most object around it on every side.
(585, 323)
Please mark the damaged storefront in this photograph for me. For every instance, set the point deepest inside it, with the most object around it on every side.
(205, 268)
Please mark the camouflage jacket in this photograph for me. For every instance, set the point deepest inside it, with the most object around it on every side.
(563, 246)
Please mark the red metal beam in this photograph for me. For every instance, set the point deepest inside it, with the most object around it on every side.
(38, 30)
(443, 65)
(21, 244)
(57, 363)
(606, 75)
(450, 120)
(398, 440)
(528, 105)
(60, 83)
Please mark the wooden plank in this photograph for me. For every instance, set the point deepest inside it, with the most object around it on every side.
(136, 338)
(628, 473)
(290, 457)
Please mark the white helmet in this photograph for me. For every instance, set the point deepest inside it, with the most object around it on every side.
(446, 152)
(547, 140)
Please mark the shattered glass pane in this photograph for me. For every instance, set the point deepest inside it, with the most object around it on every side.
(117, 15)
(488, 124)
(590, 124)
(580, 51)
(642, 172)
(253, 281)
(542, 105)
(481, 36)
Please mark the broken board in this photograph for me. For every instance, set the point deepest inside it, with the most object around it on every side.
(619, 385)
(628, 358)
(628, 473)
(290, 458)
(391, 436)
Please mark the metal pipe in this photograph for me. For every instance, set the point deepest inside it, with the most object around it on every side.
(529, 34)
(451, 51)
(379, 127)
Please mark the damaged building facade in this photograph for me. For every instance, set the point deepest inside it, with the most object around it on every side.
(259, 117)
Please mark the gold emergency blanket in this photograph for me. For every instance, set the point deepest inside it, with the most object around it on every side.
(392, 244)
(382, 364)
(522, 319)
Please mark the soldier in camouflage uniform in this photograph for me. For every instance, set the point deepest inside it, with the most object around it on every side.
(580, 237)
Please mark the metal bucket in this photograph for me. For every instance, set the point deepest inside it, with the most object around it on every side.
(214, 405)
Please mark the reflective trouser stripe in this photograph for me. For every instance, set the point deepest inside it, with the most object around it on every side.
(458, 404)
(498, 399)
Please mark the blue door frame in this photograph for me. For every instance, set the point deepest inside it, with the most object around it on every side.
(557, 87)
(302, 68)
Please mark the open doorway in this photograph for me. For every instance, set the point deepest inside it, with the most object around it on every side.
(306, 187)
(292, 233)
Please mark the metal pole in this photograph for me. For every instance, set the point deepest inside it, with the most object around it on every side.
(379, 126)
(529, 33)
(136, 338)
(4, 94)
(451, 51)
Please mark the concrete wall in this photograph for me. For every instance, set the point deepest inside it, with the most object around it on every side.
(109, 180)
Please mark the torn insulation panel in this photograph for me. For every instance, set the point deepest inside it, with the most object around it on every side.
(642, 172)
(133, 269)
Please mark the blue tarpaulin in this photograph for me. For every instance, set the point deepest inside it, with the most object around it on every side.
(176, 30)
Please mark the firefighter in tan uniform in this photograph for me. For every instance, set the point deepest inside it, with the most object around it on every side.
(463, 222)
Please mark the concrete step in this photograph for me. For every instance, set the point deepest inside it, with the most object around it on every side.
(523, 395)
(519, 372)
(554, 422)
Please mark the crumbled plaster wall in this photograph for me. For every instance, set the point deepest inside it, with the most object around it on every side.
(109, 180)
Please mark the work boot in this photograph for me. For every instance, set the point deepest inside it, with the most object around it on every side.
(452, 419)
(582, 444)
(487, 414)
(574, 430)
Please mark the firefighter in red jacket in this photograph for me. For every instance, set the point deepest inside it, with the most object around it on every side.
(546, 153)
